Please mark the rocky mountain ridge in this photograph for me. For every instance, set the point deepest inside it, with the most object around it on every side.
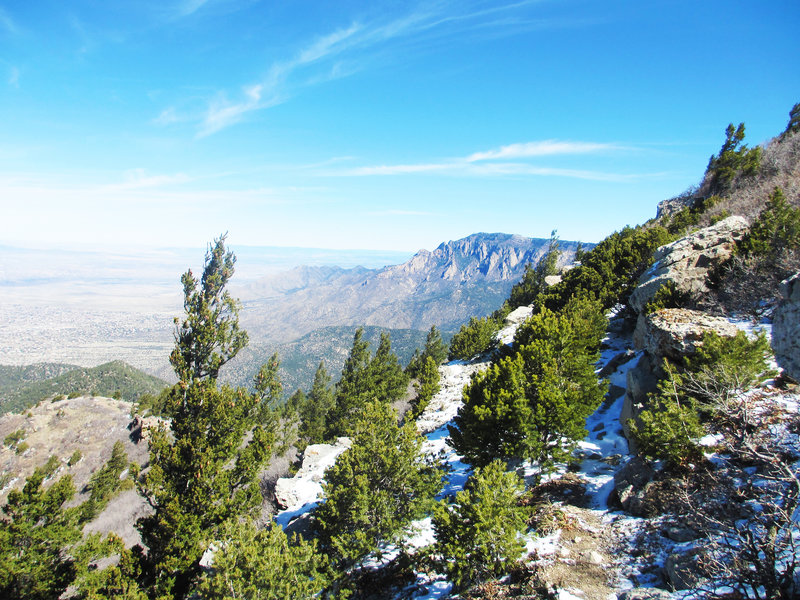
(443, 287)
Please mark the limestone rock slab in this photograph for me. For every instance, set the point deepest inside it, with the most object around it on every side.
(687, 261)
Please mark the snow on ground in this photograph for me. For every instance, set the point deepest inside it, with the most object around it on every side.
(444, 406)
(601, 454)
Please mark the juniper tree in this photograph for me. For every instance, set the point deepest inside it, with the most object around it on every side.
(203, 473)
(534, 403)
(387, 376)
(434, 348)
(209, 335)
(478, 535)
(34, 532)
(313, 412)
(375, 488)
(365, 378)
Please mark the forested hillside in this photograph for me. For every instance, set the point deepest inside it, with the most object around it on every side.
(625, 426)
(25, 386)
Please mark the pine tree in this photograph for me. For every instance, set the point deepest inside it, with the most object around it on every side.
(34, 532)
(263, 564)
(478, 535)
(375, 488)
(389, 380)
(534, 404)
(532, 283)
(354, 388)
(434, 347)
(314, 412)
(203, 474)
(427, 386)
(267, 382)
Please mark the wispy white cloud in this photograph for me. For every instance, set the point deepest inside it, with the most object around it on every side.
(543, 148)
(498, 162)
(13, 77)
(7, 23)
(347, 50)
(188, 7)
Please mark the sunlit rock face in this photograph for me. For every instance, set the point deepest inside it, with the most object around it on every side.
(786, 328)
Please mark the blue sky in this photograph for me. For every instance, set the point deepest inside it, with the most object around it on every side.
(376, 125)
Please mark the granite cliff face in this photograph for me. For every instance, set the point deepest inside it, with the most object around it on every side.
(445, 287)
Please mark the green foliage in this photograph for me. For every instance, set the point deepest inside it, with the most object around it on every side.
(203, 474)
(435, 348)
(669, 429)
(734, 158)
(610, 271)
(13, 439)
(473, 338)
(209, 335)
(794, 120)
(75, 458)
(262, 564)
(375, 488)
(21, 447)
(105, 482)
(267, 382)
(314, 411)
(532, 284)
(155, 404)
(389, 380)
(119, 581)
(365, 378)
(720, 368)
(354, 389)
(51, 466)
(775, 231)
(534, 403)
(34, 531)
(723, 366)
(478, 536)
(689, 216)
(667, 296)
(427, 385)
(105, 379)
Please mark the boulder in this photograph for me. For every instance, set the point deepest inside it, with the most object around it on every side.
(675, 332)
(687, 262)
(518, 315)
(681, 570)
(142, 426)
(630, 479)
(550, 280)
(306, 485)
(642, 380)
(786, 328)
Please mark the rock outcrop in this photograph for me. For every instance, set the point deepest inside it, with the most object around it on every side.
(686, 263)
(671, 333)
(306, 485)
(675, 332)
(786, 328)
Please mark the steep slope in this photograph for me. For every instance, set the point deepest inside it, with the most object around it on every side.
(445, 287)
